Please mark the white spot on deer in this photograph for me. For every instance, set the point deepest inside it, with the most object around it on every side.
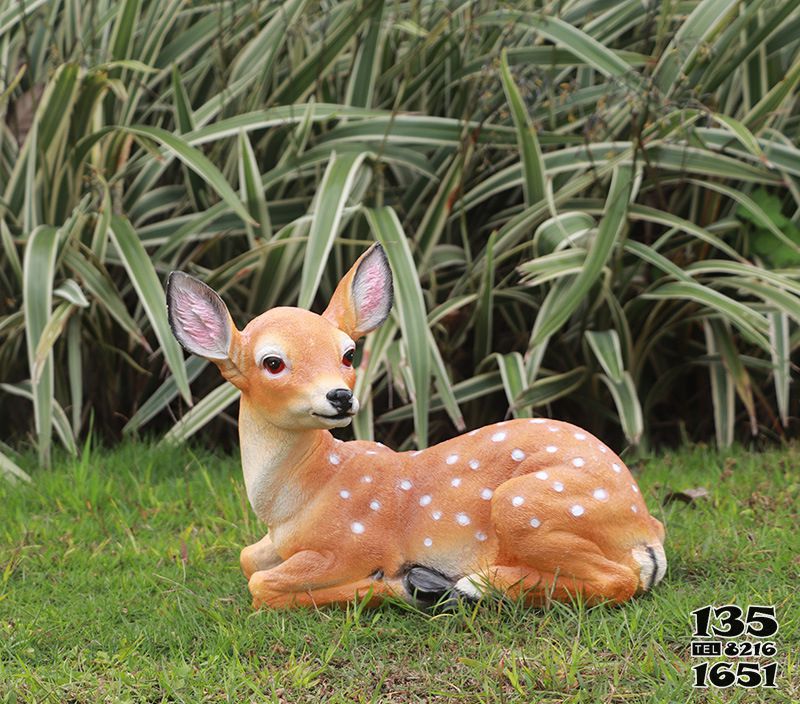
(480, 536)
(486, 493)
(498, 437)
(436, 515)
(635, 488)
(425, 499)
(427, 542)
(538, 421)
(456, 482)
(634, 508)
(452, 459)
(517, 455)
(603, 449)
(551, 449)
(462, 519)
(415, 453)
(501, 423)
(474, 464)
(600, 494)
(579, 462)
(517, 501)
(405, 485)
(616, 468)
(535, 523)
(334, 459)
(344, 494)
(366, 479)
(577, 510)
(558, 486)
(357, 528)
(370, 452)
(374, 504)
(552, 429)
(541, 474)
(472, 433)
(579, 436)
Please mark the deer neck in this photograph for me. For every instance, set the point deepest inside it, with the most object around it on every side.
(277, 465)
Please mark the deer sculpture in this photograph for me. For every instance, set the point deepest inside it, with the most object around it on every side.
(531, 508)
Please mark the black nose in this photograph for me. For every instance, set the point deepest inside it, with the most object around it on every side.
(341, 399)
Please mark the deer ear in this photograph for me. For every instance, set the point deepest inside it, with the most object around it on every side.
(363, 298)
(199, 319)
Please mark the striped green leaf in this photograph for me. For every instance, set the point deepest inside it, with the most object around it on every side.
(722, 392)
(38, 271)
(780, 348)
(608, 232)
(329, 202)
(531, 153)
(203, 412)
(410, 310)
(145, 281)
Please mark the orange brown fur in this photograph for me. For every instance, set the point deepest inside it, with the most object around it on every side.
(530, 507)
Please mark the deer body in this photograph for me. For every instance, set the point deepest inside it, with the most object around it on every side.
(534, 507)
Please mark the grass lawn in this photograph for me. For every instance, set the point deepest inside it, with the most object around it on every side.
(120, 582)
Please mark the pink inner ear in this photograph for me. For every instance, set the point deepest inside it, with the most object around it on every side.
(372, 293)
(199, 320)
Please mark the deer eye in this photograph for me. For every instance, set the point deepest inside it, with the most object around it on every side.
(273, 364)
(347, 358)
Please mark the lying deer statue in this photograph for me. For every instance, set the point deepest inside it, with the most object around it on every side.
(534, 508)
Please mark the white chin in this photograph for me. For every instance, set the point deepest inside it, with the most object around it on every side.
(334, 422)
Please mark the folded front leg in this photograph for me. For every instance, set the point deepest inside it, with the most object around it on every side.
(305, 571)
(258, 556)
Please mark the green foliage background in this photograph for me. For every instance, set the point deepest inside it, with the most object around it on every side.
(591, 207)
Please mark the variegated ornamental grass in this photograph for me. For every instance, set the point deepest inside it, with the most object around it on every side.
(591, 207)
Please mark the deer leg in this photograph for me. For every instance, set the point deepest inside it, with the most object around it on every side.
(372, 589)
(597, 580)
(307, 571)
(258, 556)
